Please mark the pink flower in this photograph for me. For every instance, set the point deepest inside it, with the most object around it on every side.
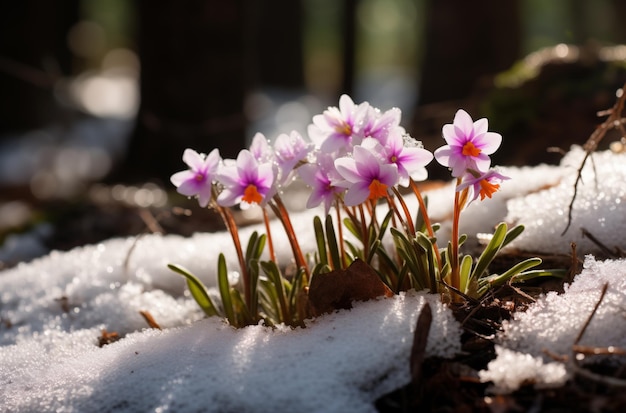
(321, 177)
(246, 182)
(483, 185)
(364, 176)
(468, 145)
(380, 126)
(289, 150)
(198, 180)
(261, 149)
(405, 153)
(336, 128)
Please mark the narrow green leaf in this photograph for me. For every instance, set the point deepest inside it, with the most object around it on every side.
(197, 289)
(353, 228)
(331, 241)
(490, 251)
(319, 238)
(465, 271)
(512, 234)
(224, 287)
(251, 245)
(497, 280)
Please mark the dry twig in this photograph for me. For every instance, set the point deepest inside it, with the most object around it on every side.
(615, 120)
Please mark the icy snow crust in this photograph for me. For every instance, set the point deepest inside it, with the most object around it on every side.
(53, 310)
(551, 326)
(600, 206)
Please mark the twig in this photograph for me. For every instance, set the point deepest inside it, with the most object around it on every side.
(614, 120)
(578, 350)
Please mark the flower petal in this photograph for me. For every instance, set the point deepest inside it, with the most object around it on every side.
(357, 194)
(193, 159)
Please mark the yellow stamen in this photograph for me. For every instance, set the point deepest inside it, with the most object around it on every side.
(251, 195)
(377, 190)
(470, 150)
(344, 129)
(487, 189)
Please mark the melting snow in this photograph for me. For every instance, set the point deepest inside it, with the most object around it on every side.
(53, 310)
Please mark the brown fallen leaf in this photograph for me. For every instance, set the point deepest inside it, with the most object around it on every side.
(338, 289)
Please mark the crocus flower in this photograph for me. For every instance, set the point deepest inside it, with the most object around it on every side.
(482, 184)
(198, 179)
(364, 176)
(321, 176)
(246, 182)
(261, 149)
(468, 145)
(379, 126)
(289, 150)
(336, 128)
(402, 151)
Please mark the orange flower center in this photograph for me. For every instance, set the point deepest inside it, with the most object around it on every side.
(344, 129)
(470, 150)
(487, 189)
(251, 195)
(377, 190)
(199, 177)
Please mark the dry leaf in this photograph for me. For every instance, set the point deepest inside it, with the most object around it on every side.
(338, 289)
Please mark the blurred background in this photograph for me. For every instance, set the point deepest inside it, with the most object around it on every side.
(99, 98)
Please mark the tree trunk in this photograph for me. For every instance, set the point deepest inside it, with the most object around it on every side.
(33, 55)
(192, 87)
(465, 41)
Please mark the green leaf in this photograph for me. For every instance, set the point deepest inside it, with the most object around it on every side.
(331, 241)
(512, 234)
(497, 280)
(490, 251)
(250, 250)
(274, 276)
(197, 289)
(319, 238)
(465, 271)
(224, 287)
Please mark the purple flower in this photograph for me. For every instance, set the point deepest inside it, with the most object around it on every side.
(289, 150)
(380, 126)
(364, 176)
(261, 149)
(336, 128)
(321, 177)
(468, 145)
(483, 185)
(247, 181)
(405, 153)
(198, 180)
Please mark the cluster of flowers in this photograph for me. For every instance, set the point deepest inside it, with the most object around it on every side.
(356, 153)
(355, 157)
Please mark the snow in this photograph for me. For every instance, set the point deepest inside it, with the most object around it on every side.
(54, 308)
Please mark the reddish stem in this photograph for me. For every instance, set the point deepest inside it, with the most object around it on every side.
(426, 218)
(231, 225)
(281, 212)
(270, 243)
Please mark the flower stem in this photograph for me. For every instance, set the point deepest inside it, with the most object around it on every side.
(270, 243)
(409, 220)
(426, 218)
(460, 198)
(231, 225)
(281, 212)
